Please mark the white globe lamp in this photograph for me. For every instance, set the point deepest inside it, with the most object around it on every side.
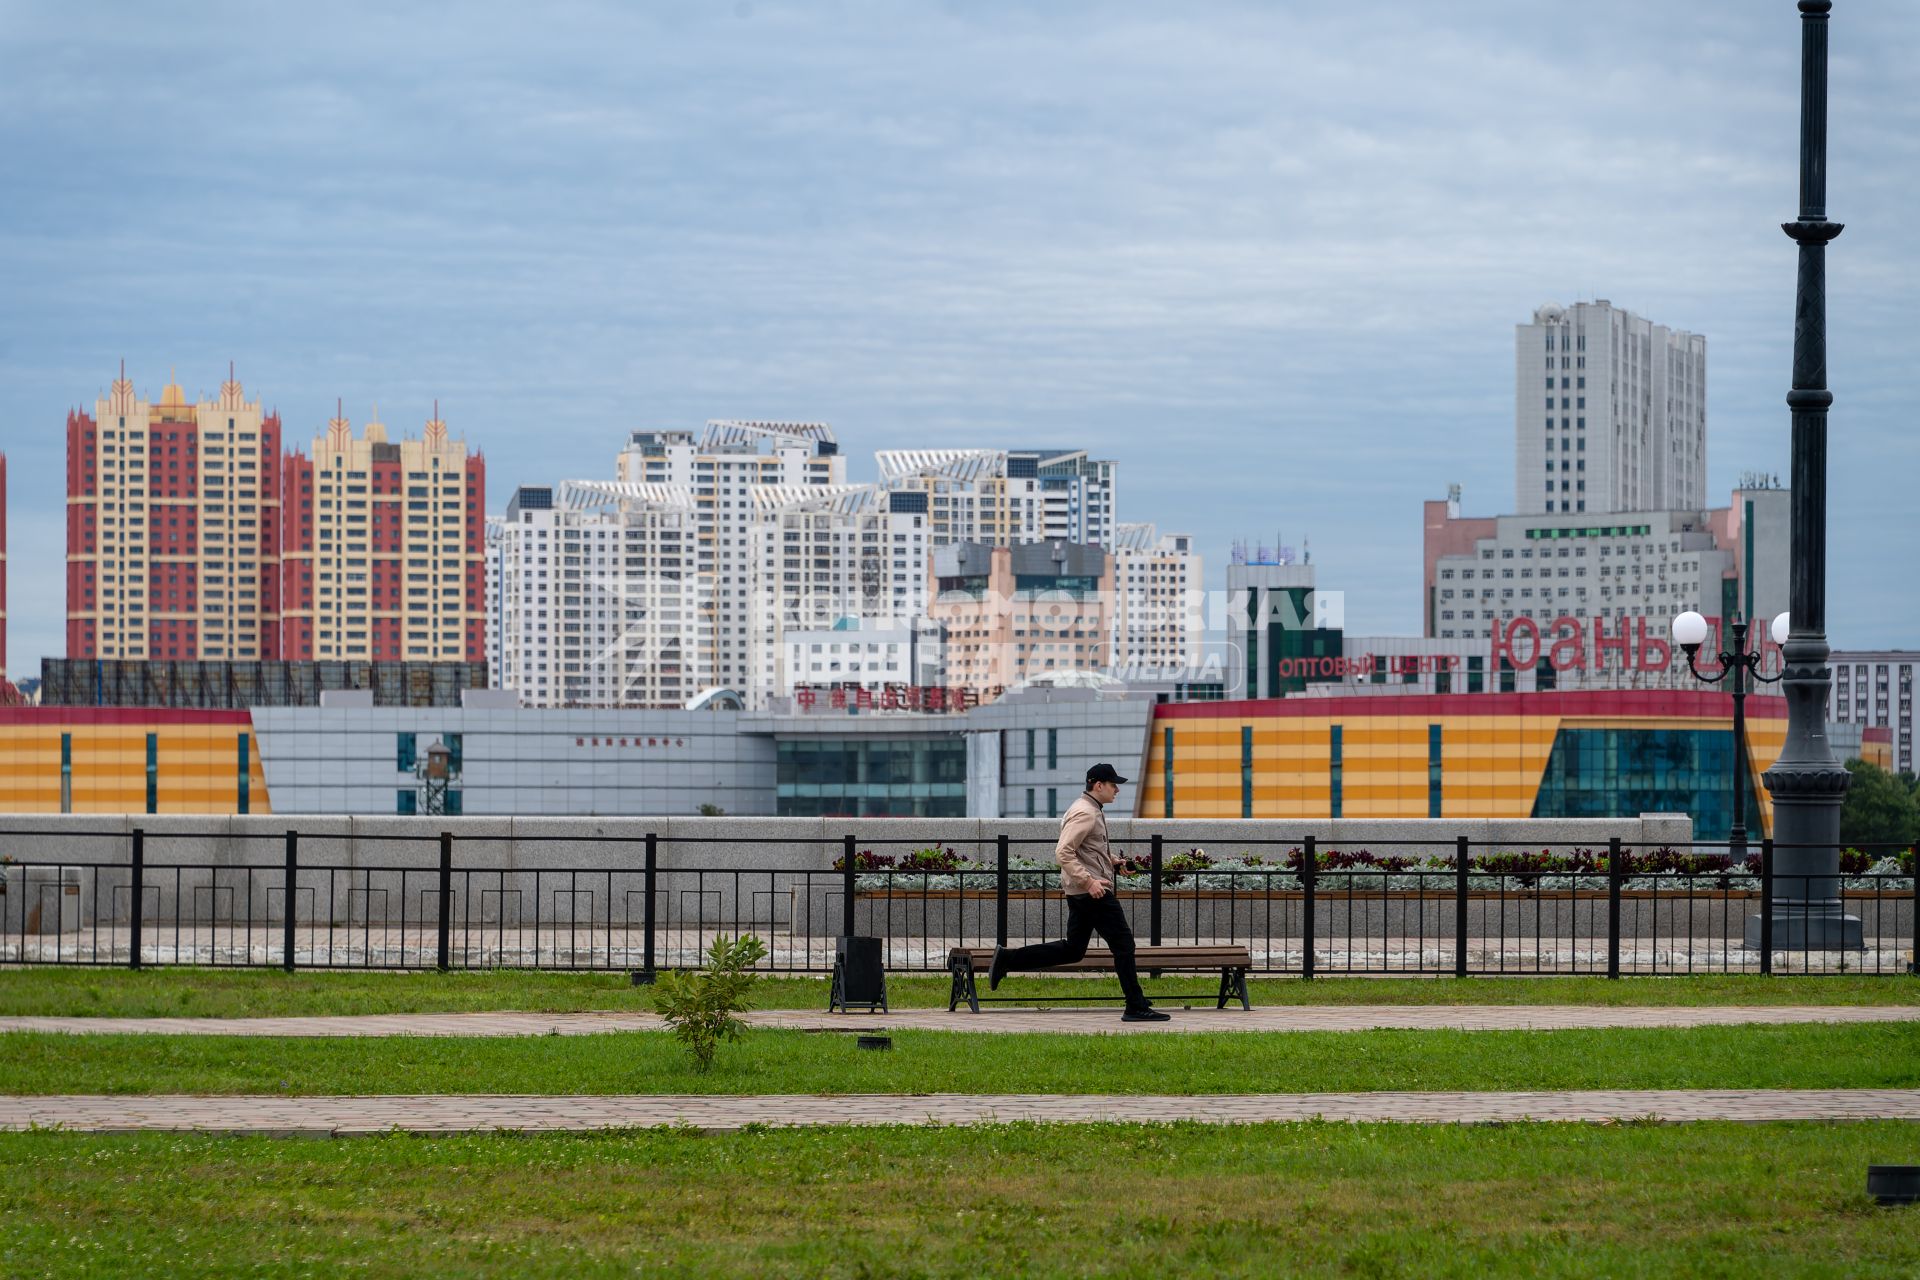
(1690, 631)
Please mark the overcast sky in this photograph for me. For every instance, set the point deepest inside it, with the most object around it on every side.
(1268, 256)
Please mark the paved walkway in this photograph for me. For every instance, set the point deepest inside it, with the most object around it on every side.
(341, 1116)
(1092, 1021)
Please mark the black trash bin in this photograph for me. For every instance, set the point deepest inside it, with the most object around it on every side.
(859, 977)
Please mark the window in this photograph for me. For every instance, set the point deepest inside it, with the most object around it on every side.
(1246, 771)
(1334, 770)
(1166, 766)
(1053, 748)
(1434, 789)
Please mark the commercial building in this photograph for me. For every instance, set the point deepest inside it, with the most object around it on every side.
(130, 760)
(173, 527)
(595, 600)
(1873, 689)
(1159, 616)
(723, 468)
(1282, 633)
(1014, 612)
(1595, 753)
(1604, 588)
(1610, 413)
(384, 552)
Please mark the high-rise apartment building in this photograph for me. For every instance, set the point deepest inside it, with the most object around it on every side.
(173, 527)
(1610, 413)
(1158, 610)
(973, 495)
(1874, 689)
(826, 553)
(723, 468)
(1011, 612)
(1077, 493)
(384, 552)
(594, 597)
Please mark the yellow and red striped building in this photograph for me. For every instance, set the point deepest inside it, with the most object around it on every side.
(129, 760)
(1596, 753)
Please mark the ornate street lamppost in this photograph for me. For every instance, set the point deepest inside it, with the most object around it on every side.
(1806, 782)
(1690, 632)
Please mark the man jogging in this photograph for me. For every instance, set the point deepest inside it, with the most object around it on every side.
(1087, 878)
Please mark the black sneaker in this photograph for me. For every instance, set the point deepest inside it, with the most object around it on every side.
(998, 969)
(1145, 1015)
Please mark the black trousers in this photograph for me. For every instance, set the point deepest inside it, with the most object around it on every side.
(1086, 916)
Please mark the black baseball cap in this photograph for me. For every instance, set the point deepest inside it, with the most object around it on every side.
(1103, 773)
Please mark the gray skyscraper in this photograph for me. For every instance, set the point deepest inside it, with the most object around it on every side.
(1610, 413)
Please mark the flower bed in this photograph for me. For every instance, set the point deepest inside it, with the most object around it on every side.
(1583, 871)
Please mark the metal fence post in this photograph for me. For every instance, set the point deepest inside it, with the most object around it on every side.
(847, 876)
(1306, 908)
(1153, 884)
(1614, 876)
(139, 897)
(1460, 859)
(1913, 956)
(650, 879)
(286, 924)
(1000, 890)
(1766, 907)
(446, 896)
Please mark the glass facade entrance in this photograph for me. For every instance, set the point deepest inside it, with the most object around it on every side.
(1615, 773)
(873, 777)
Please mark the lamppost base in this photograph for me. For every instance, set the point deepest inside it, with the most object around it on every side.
(1801, 930)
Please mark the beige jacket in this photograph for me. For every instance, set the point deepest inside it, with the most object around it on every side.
(1082, 850)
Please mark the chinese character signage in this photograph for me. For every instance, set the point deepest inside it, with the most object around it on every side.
(890, 697)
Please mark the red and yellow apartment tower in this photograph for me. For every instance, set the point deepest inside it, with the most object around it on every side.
(385, 551)
(173, 527)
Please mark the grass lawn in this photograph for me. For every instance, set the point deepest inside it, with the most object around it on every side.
(1313, 1199)
(269, 992)
(1813, 1056)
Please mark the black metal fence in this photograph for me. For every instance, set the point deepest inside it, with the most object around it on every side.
(643, 903)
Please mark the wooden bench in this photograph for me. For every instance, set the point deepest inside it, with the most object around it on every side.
(1232, 962)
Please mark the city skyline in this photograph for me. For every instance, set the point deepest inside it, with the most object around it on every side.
(1111, 228)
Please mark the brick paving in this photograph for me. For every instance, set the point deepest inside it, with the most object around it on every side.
(343, 1116)
(1100, 1021)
